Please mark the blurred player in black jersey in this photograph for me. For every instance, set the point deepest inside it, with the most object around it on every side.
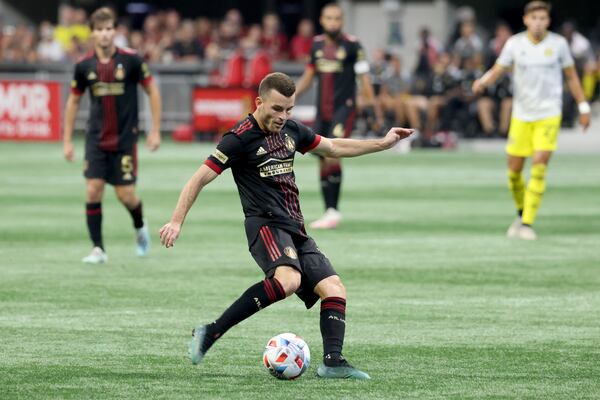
(260, 152)
(336, 59)
(112, 75)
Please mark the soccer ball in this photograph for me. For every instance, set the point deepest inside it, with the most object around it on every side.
(286, 356)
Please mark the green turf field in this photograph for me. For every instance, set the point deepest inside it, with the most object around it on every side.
(440, 303)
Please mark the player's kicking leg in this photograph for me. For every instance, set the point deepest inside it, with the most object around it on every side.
(333, 327)
(94, 193)
(127, 196)
(283, 283)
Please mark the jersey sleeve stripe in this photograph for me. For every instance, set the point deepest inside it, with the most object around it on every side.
(314, 144)
(76, 91)
(210, 164)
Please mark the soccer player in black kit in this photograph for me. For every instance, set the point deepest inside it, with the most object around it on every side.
(112, 75)
(337, 59)
(260, 152)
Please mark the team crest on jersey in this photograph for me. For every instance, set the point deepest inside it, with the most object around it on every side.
(548, 52)
(261, 151)
(120, 72)
(92, 76)
(340, 54)
(289, 143)
(290, 252)
(218, 154)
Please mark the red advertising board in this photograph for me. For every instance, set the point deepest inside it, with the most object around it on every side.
(218, 109)
(30, 110)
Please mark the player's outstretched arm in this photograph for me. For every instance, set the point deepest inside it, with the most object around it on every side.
(489, 78)
(69, 123)
(170, 231)
(577, 91)
(339, 148)
(153, 139)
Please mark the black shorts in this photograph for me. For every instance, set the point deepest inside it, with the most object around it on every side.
(340, 125)
(274, 247)
(115, 167)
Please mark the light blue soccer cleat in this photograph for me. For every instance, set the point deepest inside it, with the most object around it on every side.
(195, 346)
(142, 238)
(343, 371)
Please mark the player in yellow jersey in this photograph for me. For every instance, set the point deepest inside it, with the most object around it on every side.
(538, 58)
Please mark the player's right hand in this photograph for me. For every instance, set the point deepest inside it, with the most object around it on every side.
(68, 151)
(584, 121)
(169, 234)
(395, 135)
(477, 87)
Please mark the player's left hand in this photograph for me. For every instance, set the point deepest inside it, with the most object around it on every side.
(584, 121)
(395, 135)
(153, 140)
(169, 234)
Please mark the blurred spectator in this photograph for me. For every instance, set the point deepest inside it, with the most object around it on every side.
(204, 31)
(378, 66)
(49, 49)
(235, 20)
(302, 41)
(72, 29)
(469, 43)
(172, 21)
(187, 47)
(428, 51)
(498, 97)
(274, 40)
(253, 38)
(585, 65)
(80, 28)
(136, 42)
(122, 35)
(583, 54)
(395, 91)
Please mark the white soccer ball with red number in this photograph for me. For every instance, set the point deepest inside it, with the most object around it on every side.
(286, 356)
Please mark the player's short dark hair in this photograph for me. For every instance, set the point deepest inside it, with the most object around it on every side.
(278, 81)
(536, 6)
(332, 5)
(102, 14)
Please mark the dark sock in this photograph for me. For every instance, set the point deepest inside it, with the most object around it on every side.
(333, 328)
(331, 181)
(325, 188)
(254, 299)
(137, 216)
(520, 212)
(335, 186)
(94, 223)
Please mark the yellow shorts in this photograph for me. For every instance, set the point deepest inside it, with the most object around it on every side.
(524, 138)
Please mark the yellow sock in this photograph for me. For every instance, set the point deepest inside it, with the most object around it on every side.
(534, 193)
(516, 185)
(589, 85)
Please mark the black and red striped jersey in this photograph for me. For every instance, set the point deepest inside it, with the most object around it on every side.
(336, 65)
(262, 164)
(113, 121)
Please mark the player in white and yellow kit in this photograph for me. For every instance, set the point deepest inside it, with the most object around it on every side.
(538, 58)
